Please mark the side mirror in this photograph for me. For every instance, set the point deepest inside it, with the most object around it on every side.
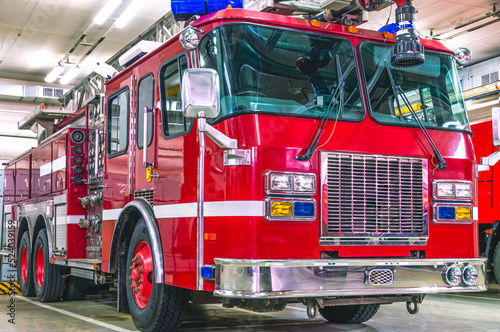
(200, 93)
(495, 119)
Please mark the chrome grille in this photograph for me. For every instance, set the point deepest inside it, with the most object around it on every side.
(381, 277)
(147, 194)
(373, 196)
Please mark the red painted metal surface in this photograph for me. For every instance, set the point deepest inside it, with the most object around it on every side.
(22, 179)
(41, 180)
(142, 274)
(40, 263)
(488, 182)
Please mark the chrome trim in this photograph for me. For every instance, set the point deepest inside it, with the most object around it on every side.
(146, 211)
(237, 157)
(356, 241)
(267, 202)
(434, 190)
(239, 278)
(372, 199)
(451, 221)
(86, 264)
(267, 184)
(201, 202)
(377, 277)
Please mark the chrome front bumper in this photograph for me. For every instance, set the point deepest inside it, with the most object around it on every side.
(330, 278)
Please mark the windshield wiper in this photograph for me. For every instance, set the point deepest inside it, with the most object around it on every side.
(338, 92)
(398, 91)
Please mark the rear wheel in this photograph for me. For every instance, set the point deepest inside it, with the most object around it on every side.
(349, 314)
(153, 306)
(48, 280)
(24, 274)
(496, 263)
(76, 289)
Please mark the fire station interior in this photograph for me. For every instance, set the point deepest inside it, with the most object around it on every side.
(57, 57)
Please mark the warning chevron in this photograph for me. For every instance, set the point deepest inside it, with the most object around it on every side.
(9, 287)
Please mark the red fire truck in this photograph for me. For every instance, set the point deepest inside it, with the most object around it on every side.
(258, 159)
(485, 146)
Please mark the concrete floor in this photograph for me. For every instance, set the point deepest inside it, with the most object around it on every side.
(444, 312)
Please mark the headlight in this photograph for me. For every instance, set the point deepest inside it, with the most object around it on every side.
(290, 183)
(463, 190)
(280, 182)
(452, 275)
(304, 183)
(452, 189)
(444, 190)
(469, 275)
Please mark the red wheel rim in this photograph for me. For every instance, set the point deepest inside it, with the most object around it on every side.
(24, 264)
(39, 266)
(142, 274)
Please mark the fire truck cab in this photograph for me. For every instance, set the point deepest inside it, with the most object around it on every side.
(257, 160)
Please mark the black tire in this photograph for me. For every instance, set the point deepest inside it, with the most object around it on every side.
(26, 283)
(166, 306)
(496, 263)
(49, 285)
(76, 289)
(349, 314)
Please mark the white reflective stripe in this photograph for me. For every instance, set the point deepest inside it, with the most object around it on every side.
(75, 219)
(234, 209)
(185, 210)
(57, 165)
(212, 209)
(45, 169)
(475, 213)
(111, 214)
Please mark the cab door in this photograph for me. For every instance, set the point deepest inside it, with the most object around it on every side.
(145, 163)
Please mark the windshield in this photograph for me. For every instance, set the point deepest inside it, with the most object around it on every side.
(270, 70)
(432, 89)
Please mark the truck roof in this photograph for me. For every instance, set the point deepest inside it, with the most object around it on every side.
(242, 15)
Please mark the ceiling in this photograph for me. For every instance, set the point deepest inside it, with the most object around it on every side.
(36, 34)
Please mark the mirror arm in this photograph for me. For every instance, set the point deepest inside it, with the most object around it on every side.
(491, 160)
(219, 138)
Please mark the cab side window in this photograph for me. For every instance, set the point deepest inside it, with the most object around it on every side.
(174, 123)
(117, 117)
(145, 98)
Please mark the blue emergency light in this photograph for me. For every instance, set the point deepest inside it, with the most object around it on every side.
(446, 212)
(304, 209)
(185, 9)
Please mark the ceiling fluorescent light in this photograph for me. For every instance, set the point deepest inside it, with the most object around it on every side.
(107, 10)
(70, 75)
(128, 13)
(52, 76)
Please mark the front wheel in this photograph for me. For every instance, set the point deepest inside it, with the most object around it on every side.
(349, 314)
(47, 277)
(153, 306)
